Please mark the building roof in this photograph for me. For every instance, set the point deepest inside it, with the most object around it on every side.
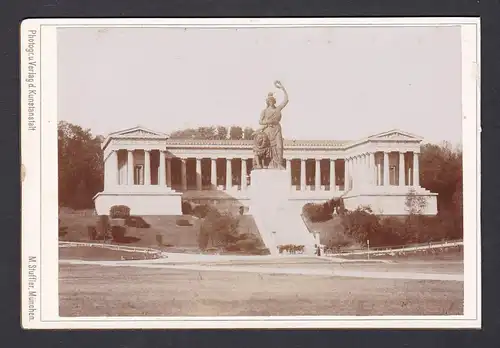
(140, 132)
(246, 143)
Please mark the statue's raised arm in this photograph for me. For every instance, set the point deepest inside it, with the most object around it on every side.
(285, 100)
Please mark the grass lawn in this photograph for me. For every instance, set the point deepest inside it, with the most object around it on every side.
(174, 238)
(166, 226)
(87, 290)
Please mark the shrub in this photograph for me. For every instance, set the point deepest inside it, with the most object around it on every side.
(360, 224)
(337, 240)
(220, 227)
(63, 230)
(393, 231)
(136, 221)
(187, 208)
(201, 210)
(119, 212)
(291, 248)
(118, 233)
(316, 212)
(260, 251)
(102, 226)
(232, 247)
(92, 233)
(246, 244)
(203, 238)
(221, 230)
(415, 204)
(183, 222)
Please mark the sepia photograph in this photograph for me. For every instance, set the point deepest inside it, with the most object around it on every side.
(256, 173)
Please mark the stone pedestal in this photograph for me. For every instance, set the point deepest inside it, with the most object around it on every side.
(269, 185)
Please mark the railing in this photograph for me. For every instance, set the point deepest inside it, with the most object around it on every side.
(111, 247)
(396, 249)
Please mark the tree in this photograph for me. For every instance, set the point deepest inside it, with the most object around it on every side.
(415, 204)
(441, 172)
(219, 227)
(221, 132)
(236, 133)
(247, 133)
(81, 168)
(188, 133)
(207, 133)
(212, 132)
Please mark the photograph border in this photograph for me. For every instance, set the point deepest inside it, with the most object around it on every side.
(39, 187)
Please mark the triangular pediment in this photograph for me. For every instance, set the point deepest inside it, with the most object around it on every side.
(138, 132)
(395, 134)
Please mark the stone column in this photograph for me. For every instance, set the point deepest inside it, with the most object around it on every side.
(317, 174)
(183, 174)
(362, 170)
(302, 174)
(365, 178)
(130, 167)
(333, 186)
(351, 173)
(401, 169)
(198, 174)
(368, 170)
(379, 174)
(229, 174)
(346, 174)
(416, 170)
(289, 171)
(213, 174)
(243, 174)
(371, 168)
(169, 172)
(368, 177)
(161, 175)
(147, 168)
(355, 172)
(115, 169)
(386, 168)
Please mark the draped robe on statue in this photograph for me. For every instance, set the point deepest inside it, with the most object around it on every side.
(271, 117)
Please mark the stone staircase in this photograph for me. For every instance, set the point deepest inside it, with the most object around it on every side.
(283, 227)
(278, 221)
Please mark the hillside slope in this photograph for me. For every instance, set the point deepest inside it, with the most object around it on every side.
(332, 232)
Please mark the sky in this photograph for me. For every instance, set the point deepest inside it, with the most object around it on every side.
(344, 83)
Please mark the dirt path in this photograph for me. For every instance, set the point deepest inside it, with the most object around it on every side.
(276, 269)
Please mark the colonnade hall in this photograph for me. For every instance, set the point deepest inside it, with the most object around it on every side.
(144, 168)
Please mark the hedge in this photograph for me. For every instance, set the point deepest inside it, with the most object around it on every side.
(362, 225)
(316, 212)
(187, 208)
(119, 212)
